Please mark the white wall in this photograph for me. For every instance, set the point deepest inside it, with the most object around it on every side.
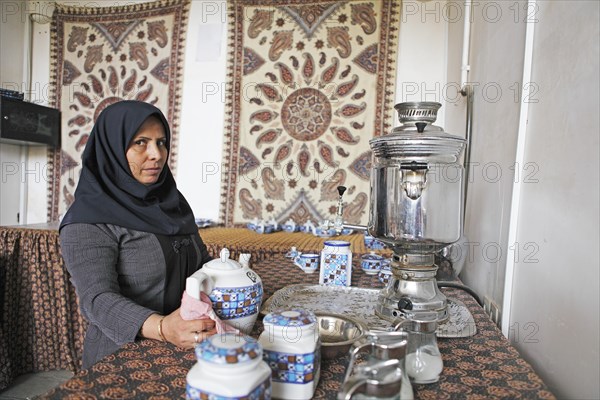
(10, 184)
(12, 38)
(37, 159)
(555, 313)
(30, 177)
(202, 117)
(497, 47)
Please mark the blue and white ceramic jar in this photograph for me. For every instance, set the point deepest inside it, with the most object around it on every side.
(336, 263)
(222, 358)
(291, 348)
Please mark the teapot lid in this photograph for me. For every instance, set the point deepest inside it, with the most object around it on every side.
(228, 349)
(296, 317)
(223, 262)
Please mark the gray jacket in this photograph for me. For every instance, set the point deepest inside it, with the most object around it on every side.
(119, 275)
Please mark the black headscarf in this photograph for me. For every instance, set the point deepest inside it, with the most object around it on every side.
(107, 192)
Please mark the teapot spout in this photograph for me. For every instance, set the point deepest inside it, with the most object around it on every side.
(245, 260)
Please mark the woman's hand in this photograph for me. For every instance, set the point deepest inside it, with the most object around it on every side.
(182, 333)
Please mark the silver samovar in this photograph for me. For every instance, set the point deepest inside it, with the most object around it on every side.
(416, 208)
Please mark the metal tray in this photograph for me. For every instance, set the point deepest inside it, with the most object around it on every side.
(359, 303)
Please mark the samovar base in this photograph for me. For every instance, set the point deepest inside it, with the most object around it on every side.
(411, 291)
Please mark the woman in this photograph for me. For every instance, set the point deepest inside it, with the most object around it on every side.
(129, 240)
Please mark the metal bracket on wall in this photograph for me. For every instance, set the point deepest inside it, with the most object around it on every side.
(467, 91)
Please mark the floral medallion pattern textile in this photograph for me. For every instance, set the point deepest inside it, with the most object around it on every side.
(310, 83)
(102, 55)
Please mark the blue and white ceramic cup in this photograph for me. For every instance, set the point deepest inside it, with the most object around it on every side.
(371, 263)
(308, 263)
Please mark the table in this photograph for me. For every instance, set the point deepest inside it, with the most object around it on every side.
(41, 328)
(264, 246)
(483, 366)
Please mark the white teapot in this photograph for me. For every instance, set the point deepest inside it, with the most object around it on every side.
(234, 289)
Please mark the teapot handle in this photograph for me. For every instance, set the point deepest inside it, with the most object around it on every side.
(198, 282)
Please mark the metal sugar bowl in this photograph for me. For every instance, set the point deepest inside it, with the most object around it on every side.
(416, 198)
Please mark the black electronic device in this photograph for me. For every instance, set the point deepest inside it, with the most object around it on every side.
(22, 122)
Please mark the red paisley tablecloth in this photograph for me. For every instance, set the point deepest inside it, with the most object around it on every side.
(41, 329)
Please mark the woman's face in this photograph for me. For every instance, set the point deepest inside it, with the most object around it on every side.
(147, 152)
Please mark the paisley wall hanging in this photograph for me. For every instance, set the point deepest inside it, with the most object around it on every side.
(309, 84)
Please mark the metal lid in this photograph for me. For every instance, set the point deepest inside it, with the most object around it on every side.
(296, 317)
(417, 139)
(417, 111)
(228, 349)
(425, 322)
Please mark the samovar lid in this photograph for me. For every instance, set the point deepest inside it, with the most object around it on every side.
(411, 112)
(417, 139)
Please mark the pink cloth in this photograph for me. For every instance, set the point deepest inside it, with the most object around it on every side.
(192, 308)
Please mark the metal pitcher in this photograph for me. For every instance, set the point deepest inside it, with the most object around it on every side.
(383, 375)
